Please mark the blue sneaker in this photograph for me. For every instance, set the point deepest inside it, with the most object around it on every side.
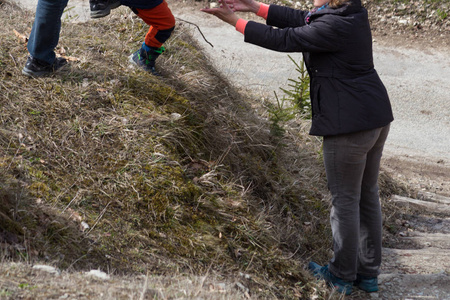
(342, 286)
(146, 59)
(367, 284)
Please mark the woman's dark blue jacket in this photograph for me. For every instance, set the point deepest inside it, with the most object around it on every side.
(142, 4)
(347, 94)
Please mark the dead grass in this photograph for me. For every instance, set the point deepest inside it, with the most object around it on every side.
(106, 167)
(34, 283)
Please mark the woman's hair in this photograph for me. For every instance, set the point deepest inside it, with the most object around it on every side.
(337, 3)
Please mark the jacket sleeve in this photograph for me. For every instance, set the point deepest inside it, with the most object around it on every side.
(319, 36)
(282, 17)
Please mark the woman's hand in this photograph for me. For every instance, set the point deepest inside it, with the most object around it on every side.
(224, 13)
(244, 5)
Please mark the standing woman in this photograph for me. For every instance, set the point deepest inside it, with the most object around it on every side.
(351, 110)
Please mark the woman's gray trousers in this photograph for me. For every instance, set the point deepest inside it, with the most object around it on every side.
(352, 163)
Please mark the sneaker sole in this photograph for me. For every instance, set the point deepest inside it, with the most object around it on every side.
(135, 64)
(95, 14)
(34, 74)
(131, 60)
(368, 286)
(30, 73)
(367, 290)
(100, 13)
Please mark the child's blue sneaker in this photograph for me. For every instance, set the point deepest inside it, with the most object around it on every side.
(146, 58)
(367, 284)
(342, 286)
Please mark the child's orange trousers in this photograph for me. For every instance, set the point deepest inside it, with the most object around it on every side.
(161, 21)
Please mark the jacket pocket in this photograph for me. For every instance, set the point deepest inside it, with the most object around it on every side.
(316, 100)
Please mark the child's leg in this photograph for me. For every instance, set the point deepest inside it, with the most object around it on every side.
(161, 21)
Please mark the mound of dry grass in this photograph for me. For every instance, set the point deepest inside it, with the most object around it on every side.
(105, 166)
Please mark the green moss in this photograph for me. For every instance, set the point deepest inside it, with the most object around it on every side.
(39, 189)
(163, 187)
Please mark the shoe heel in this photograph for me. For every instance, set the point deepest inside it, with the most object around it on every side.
(367, 284)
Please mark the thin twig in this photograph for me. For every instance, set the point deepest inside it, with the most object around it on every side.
(76, 260)
(14, 60)
(292, 255)
(99, 217)
(198, 30)
(71, 201)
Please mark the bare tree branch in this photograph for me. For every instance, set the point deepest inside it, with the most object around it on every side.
(198, 30)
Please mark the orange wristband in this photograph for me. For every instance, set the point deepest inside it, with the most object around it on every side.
(240, 25)
(263, 11)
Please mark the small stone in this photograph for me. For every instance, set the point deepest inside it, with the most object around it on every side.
(98, 274)
(175, 116)
(84, 226)
(241, 287)
(45, 268)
